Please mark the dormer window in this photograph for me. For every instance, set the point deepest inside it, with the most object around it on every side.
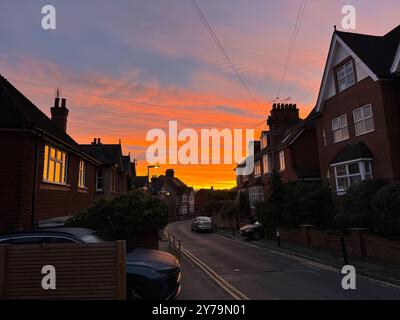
(345, 75)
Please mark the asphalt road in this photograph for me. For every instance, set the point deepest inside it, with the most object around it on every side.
(264, 274)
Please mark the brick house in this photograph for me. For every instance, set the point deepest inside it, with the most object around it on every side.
(113, 174)
(358, 109)
(289, 147)
(178, 196)
(44, 174)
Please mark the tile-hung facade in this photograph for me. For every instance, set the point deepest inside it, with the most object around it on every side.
(358, 110)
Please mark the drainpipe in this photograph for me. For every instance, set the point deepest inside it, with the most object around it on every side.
(35, 181)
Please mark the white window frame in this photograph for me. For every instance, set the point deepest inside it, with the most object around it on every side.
(324, 137)
(82, 174)
(264, 140)
(282, 164)
(266, 164)
(98, 178)
(256, 194)
(363, 120)
(342, 127)
(257, 169)
(62, 163)
(363, 174)
(345, 76)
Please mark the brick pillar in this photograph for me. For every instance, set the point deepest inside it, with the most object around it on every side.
(305, 231)
(356, 241)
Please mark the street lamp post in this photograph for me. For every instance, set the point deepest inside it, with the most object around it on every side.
(148, 174)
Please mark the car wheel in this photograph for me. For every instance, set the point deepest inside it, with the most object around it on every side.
(257, 235)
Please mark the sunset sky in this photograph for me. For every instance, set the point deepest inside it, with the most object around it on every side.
(106, 56)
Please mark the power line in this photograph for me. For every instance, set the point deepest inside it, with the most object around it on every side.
(307, 94)
(222, 50)
(93, 95)
(299, 20)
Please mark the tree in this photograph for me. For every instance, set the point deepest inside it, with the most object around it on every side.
(124, 217)
(269, 211)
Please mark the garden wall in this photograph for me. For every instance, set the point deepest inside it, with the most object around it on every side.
(358, 243)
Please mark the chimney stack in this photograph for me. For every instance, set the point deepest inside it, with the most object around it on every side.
(283, 116)
(170, 173)
(59, 114)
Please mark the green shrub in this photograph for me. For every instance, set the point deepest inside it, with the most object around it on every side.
(386, 217)
(269, 214)
(356, 204)
(307, 203)
(124, 217)
(316, 207)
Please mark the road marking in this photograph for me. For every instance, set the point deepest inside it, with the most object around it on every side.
(235, 293)
(312, 263)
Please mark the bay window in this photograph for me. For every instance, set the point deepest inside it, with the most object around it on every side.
(351, 173)
(256, 194)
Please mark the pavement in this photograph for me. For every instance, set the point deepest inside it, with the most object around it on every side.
(373, 269)
(260, 271)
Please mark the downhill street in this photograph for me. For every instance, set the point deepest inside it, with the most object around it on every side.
(261, 273)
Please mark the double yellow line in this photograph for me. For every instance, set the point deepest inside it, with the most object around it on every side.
(235, 293)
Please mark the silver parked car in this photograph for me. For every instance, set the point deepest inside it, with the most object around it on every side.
(202, 224)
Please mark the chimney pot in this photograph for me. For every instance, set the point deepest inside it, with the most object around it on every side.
(56, 102)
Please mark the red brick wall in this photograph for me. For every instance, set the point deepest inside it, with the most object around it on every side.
(391, 98)
(16, 179)
(16, 184)
(365, 92)
(381, 249)
(57, 201)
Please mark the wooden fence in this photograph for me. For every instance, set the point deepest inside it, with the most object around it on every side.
(82, 271)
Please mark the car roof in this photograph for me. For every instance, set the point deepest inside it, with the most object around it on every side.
(72, 231)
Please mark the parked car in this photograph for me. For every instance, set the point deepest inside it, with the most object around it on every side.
(253, 231)
(202, 224)
(150, 274)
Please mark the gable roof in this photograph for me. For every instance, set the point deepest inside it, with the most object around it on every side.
(351, 152)
(139, 181)
(375, 54)
(126, 163)
(174, 183)
(396, 62)
(18, 112)
(106, 154)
